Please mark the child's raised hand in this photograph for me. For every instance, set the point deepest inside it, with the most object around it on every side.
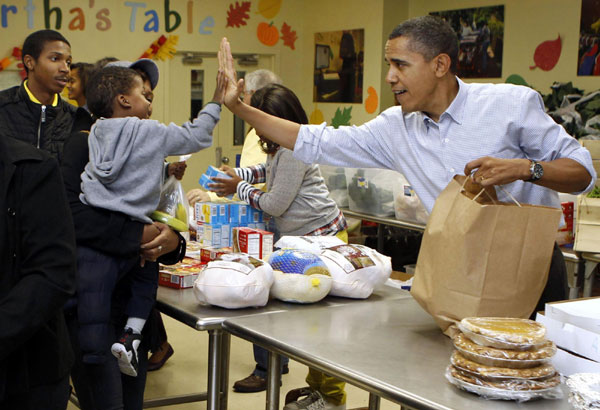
(234, 88)
(222, 81)
(225, 186)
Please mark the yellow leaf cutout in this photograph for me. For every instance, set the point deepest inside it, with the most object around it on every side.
(269, 8)
(316, 117)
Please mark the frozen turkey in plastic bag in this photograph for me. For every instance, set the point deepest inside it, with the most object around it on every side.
(356, 270)
(308, 243)
(233, 281)
(300, 276)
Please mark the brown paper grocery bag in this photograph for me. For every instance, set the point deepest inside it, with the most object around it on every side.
(481, 257)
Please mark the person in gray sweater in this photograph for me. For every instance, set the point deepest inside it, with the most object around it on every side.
(298, 201)
(125, 174)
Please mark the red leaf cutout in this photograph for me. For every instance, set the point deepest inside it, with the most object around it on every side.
(547, 54)
(238, 14)
(288, 36)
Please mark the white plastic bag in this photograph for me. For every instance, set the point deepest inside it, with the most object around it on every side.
(300, 276)
(407, 205)
(335, 179)
(173, 206)
(234, 281)
(356, 270)
(308, 243)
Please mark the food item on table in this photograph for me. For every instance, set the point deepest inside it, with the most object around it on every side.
(495, 373)
(233, 281)
(585, 390)
(506, 333)
(300, 276)
(492, 356)
(510, 389)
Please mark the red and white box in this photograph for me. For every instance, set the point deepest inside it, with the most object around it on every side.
(211, 253)
(255, 242)
(181, 275)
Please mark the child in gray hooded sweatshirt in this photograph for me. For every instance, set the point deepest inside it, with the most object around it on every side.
(125, 174)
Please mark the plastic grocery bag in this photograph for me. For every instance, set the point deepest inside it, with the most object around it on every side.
(481, 257)
(234, 281)
(173, 206)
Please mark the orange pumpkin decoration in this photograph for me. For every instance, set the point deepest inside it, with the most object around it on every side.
(267, 34)
(372, 101)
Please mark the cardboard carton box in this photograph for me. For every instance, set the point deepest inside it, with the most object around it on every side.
(210, 253)
(181, 275)
(569, 336)
(254, 242)
(593, 146)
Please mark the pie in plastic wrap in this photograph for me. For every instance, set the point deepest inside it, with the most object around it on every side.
(504, 333)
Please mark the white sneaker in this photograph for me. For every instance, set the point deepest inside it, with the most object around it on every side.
(125, 350)
(314, 401)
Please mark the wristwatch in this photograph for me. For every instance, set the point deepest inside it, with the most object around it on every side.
(536, 170)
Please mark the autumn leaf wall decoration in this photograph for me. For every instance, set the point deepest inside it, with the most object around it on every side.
(547, 54)
(288, 36)
(341, 117)
(238, 14)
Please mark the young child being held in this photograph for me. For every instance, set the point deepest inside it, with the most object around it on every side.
(125, 174)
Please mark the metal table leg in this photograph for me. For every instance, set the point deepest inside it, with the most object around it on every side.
(579, 277)
(588, 278)
(225, 354)
(374, 401)
(273, 378)
(380, 237)
(215, 342)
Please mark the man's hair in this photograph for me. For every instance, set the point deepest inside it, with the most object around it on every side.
(258, 79)
(280, 101)
(105, 85)
(84, 71)
(429, 36)
(35, 42)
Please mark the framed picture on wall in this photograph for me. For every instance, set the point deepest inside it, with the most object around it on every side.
(338, 68)
(588, 62)
(480, 34)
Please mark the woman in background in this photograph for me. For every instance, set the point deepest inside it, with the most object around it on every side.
(298, 202)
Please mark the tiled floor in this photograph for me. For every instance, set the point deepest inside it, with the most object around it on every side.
(186, 372)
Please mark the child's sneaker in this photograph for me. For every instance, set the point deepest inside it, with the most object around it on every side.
(314, 401)
(125, 350)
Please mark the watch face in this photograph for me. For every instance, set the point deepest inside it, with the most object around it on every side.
(537, 171)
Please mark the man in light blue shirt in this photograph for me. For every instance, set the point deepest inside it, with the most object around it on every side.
(497, 133)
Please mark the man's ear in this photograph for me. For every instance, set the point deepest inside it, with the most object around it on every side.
(123, 101)
(442, 63)
(29, 61)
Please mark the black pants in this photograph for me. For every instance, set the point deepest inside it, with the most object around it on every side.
(49, 397)
(556, 286)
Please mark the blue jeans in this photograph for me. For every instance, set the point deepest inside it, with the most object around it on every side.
(261, 356)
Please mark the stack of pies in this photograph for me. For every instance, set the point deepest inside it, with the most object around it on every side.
(504, 358)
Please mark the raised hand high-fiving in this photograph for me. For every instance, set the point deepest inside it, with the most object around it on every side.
(235, 87)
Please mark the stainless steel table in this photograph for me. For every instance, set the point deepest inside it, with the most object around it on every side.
(182, 305)
(391, 348)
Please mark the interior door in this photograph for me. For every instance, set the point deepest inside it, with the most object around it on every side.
(191, 85)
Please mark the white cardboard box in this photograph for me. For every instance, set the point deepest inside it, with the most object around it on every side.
(567, 364)
(583, 313)
(572, 338)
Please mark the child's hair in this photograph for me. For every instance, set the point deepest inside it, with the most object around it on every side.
(105, 85)
(84, 71)
(35, 42)
(280, 101)
(104, 61)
